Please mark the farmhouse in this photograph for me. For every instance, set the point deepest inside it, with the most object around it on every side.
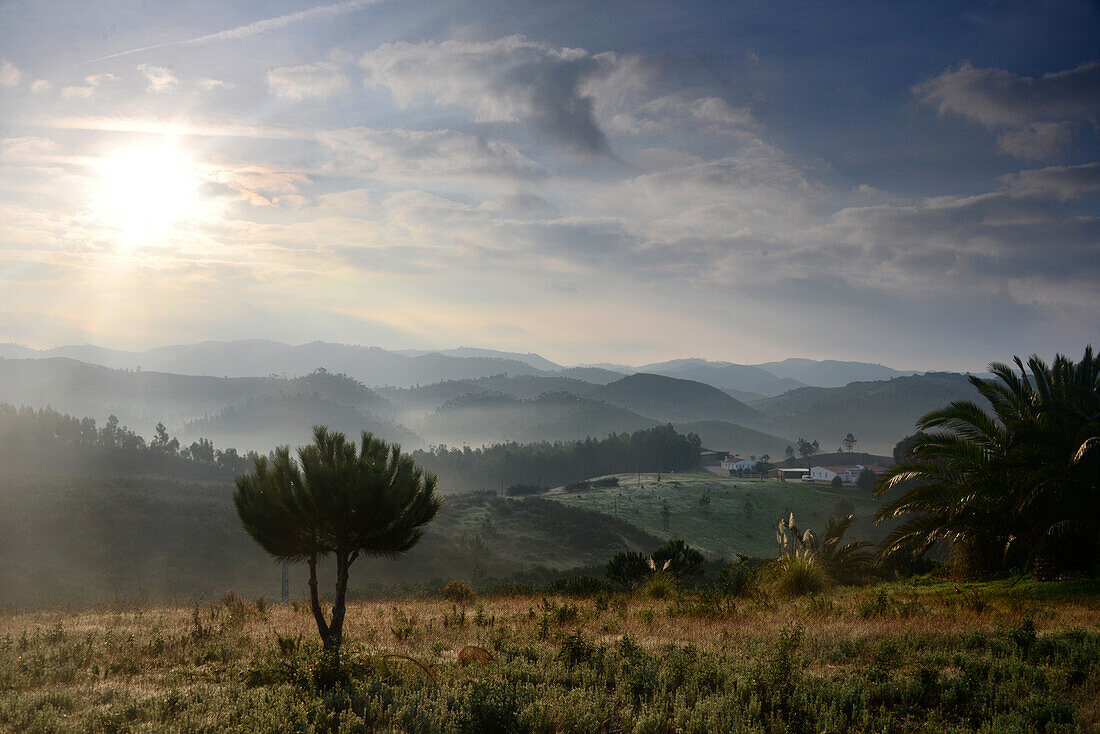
(734, 463)
(847, 474)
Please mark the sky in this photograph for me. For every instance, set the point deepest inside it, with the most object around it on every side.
(914, 184)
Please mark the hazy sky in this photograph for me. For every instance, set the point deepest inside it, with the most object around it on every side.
(916, 184)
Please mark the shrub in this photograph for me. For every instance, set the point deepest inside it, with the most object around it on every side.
(799, 573)
(575, 649)
(488, 707)
(836, 483)
(660, 585)
(458, 592)
(606, 482)
(736, 580)
(578, 586)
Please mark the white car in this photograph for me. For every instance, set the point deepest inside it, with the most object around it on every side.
(807, 478)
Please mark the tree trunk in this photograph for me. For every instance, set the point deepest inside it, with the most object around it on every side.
(315, 604)
(336, 629)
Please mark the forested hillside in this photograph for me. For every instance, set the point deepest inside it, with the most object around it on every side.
(878, 413)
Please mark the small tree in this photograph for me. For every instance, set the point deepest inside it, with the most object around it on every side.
(683, 561)
(335, 500)
(763, 466)
(850, 441)
(806, 449)
(866, 480)
(628, 569)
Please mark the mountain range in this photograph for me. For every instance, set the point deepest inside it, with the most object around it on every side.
(375, 366)
(255, 394)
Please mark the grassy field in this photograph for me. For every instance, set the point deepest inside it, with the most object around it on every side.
(725, 526)
(925, 655)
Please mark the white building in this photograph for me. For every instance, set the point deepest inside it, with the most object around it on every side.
(735, 464)
(847, 474)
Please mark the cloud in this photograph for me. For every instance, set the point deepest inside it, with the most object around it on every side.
(309, 81)
(9, 75)
(414, 154)
(962, 244)
(208, 84)
(25, 149)
(41, 86)
(260, 26)
(712, 115)
(160, 79)
(1038, 140)
(1060, 182)
(995, 97)
(262, 186)
(91, 83)
(507, 80)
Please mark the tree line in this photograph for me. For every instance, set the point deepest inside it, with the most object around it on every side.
(549, 464)
(37, 439)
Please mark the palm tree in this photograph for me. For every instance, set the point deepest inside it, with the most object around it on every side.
(1013, 489)
(335, 500)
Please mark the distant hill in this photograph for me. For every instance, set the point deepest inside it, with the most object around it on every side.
(830, 373)
(265, 421)
(495, 418)
(429, 397)
(725, 436)
(724, 375)
(142, 399)
(258, 357)
(529, 358)
(745, 396)
(670, 400)
(879, 413)
(595, 375)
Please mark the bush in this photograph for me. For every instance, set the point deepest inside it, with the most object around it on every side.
(836, 483)
(578, 586)
(488, 707)
(628, 569)
(736, 580)
(799, 573)
(458, 592)
(578, 486)
(606, 482)
(660, 585)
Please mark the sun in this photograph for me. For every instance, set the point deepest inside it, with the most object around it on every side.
(146, 192)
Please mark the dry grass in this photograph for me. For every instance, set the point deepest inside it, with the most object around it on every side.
(184, 668)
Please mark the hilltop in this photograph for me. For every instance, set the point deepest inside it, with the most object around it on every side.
(672, 400)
